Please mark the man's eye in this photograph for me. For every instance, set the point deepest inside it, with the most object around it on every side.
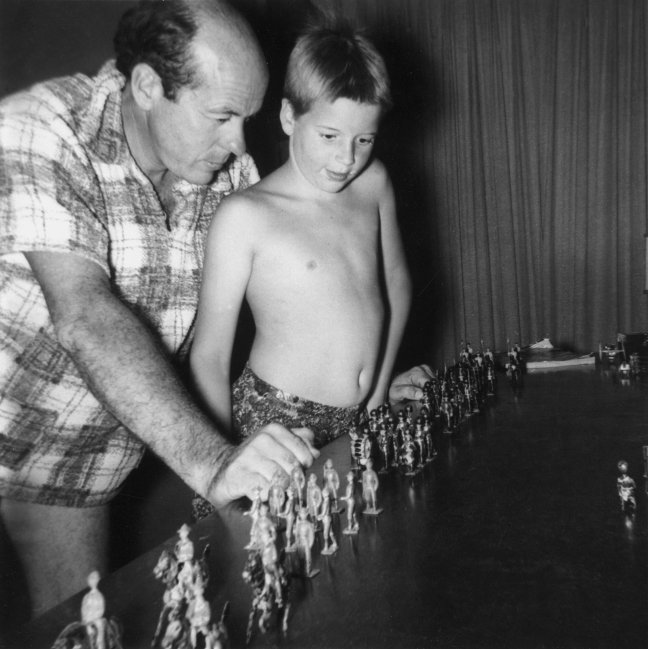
(366, 141)
(327, 136)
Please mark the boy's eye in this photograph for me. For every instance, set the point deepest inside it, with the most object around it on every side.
(327, 136)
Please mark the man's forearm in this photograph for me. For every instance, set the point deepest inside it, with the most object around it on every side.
(133, 377)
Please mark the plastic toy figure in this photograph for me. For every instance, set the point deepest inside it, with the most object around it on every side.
(276, 497)
(289, 515)
(384, 446)
(261, 523)
(332, 483)
(94, 631)
(626, 488)
(305, 536)
(184, 548)
(264, 596)
(256, 504)
(369, 489)
(298, 481)
(361, 448)
(349, 498)
(272, 569)
(198, 614)
(313, 497)
(325, 517)
(408, 454)
(419, 440)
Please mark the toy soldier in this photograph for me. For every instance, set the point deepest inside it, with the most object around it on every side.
(349, 498)
(626, 488)
(369, 489)
(289, 515)
(325, 517)
(305, 537)
(93, 608)
(313, 497)
(332, 483)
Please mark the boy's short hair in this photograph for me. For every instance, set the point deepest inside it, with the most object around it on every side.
(332, 63)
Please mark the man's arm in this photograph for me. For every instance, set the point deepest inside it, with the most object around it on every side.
(398, 285)
(132, 376)
(226, 271)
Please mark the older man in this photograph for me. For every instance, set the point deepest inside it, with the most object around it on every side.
(107, 185)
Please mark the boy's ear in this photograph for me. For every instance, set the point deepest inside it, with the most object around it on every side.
(287, 117)
(146, 86)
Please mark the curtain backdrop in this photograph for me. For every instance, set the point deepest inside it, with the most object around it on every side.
(517, 147)
(518, 151)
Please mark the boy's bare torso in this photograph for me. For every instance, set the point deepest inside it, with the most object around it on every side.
(315, 291)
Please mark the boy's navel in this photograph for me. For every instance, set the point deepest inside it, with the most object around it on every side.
(311, 265)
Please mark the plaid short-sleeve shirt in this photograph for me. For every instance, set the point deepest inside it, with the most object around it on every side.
(68, 183)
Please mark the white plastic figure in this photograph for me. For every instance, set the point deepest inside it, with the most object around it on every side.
(369, 489)
(305, 536)
(198, 614)
(332, 483)
(276, 498)
(259, 525)
(298, 481)
(626, 488)
(184, 548)
(289, 515)
(325, 517)
(93, 609)
(349, 498)
(313, 497)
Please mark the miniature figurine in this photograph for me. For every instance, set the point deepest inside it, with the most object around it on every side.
(198, 614)
(325, 517)
(408, 454)
(332, 483)
(626, 488)
(288, 514)
(349, 498)
(184, 548)
(94, 631)
(305, 536)
(271, 567)
(261, 523)
(313, 497)
(384, 446)
(264, 596)
(276, 497)
(369, 489)
(298, 481)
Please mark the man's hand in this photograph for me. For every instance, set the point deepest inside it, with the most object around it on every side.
(268, 456)
(409, 384)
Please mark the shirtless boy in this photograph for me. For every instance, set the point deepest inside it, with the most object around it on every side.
(315, 249)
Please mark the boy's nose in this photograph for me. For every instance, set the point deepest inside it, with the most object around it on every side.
(346, 154)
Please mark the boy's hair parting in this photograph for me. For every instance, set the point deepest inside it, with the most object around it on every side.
(334, 61)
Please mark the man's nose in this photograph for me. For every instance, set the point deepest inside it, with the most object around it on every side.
(235, 141)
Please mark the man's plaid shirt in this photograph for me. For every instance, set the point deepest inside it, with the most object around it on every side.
(68, 183)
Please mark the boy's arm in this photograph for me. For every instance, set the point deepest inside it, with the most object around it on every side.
(226, 270)
(398, 287)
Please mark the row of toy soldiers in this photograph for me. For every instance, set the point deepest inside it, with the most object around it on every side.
(400, 442)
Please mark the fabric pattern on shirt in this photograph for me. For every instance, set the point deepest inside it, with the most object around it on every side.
(68, 183)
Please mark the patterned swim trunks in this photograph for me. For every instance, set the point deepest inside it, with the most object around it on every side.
(256, 403)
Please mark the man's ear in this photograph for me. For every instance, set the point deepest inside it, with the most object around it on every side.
(287, 117)
(146, 86)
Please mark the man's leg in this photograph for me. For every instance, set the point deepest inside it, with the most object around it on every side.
(58, 547)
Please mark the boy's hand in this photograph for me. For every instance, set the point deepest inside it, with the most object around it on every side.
(267, 456)
(409, 384)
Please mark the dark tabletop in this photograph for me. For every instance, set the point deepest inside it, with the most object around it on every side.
(512, 537)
